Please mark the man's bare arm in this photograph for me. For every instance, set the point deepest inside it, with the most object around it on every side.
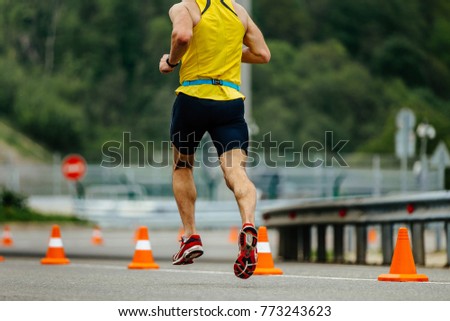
(256, 50)
(182, 26)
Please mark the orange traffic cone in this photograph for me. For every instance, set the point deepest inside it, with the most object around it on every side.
(7, 238)
(143, 257)
(372, 236)
(403, 268)
(265, 265)
(97, 237)
(2, 258)
(55, 252)
(234, 234)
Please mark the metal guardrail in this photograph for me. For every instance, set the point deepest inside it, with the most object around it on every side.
(295, 222)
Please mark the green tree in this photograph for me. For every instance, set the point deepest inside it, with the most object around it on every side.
(42, 112)
(76, 73)
(325, 91)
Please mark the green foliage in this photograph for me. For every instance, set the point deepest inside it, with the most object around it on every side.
(75, 74)
(10, 77)
(26, 215)
(42, 111)
(298, 27)
(325, 90)
(13, 209)
(10, 199)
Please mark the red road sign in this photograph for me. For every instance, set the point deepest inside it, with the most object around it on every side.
(74, 167)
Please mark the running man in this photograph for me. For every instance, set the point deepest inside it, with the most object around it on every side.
(208, 38)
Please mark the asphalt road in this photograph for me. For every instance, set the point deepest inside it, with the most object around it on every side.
(100, 273)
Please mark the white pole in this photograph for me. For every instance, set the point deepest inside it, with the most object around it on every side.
(246, 82)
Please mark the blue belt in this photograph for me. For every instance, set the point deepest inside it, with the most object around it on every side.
(217, 82)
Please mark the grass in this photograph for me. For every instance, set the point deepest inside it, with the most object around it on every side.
(18, 147)
(13, 209)
(17, 215)
(21, 145)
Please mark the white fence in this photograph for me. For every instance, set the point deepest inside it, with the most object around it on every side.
(359, 178)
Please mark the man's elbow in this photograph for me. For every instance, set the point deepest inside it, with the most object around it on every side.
(265, 56)
(182, 38)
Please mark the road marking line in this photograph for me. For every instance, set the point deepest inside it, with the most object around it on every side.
(110, 267)
(325, 278)
(113, 267)
(354, 279)
(314, 277)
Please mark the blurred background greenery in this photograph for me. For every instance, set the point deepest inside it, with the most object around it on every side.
(77, 73)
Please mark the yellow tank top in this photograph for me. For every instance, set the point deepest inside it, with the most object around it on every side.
(215, 52)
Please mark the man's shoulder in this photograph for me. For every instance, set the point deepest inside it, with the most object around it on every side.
(178, 6)
(241, 12)
(189, 5)
(184, 4)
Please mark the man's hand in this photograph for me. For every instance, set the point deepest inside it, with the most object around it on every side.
(164, 68)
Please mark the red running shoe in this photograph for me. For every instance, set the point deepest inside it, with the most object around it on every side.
(190, 249)
(247, 258)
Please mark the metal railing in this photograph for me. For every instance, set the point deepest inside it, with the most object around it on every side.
(295, 222)
(364, 176)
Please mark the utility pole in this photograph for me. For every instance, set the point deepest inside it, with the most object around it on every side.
(246, 83)
(405, 142)
(425, 131)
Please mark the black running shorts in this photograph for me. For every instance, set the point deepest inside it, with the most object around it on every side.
(223, 120)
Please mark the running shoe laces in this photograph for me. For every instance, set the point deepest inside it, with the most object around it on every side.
(190, 249)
